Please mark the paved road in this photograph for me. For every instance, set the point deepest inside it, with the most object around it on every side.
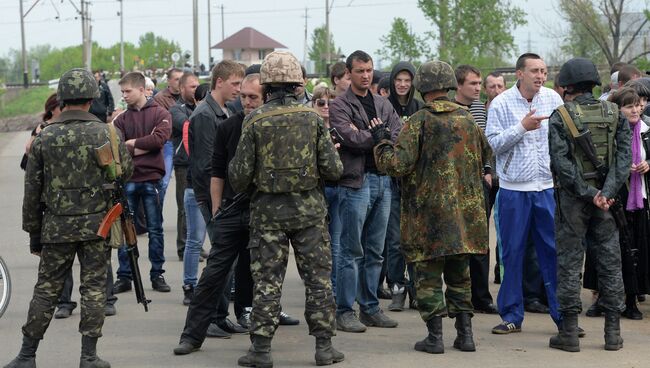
(136, 339)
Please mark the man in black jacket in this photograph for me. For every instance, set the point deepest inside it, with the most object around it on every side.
(103, 106)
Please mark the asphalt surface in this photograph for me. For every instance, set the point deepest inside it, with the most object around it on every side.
(134, 338)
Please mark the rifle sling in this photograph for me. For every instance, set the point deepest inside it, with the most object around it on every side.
(115, 149)
(564, 113)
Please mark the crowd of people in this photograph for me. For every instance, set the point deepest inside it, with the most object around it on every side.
(384, 185)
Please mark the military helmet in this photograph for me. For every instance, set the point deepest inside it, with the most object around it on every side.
(578, 70)
(280, 67)
(77, 84)
(434, 76)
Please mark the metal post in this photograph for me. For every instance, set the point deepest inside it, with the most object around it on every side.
(209, 37)
(24, 51)
(304, 52)
(327, 35)
(223, 33)
(195, 16)
(84, 50)
(121, 38)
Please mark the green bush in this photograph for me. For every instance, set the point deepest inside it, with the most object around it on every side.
(28, 101)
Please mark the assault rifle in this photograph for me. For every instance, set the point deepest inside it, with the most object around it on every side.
(121, 211)
(236, 201)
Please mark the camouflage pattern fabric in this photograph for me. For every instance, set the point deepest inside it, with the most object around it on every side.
(574, 219)
(428, 283)
(440, 152)
(280, 67)
(291, 210)
(77, 84)
(56, 260)
(64, 176)
(434, 76)
(269, 254)
(576, 216)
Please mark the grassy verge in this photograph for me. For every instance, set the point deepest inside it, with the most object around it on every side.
(29, 101)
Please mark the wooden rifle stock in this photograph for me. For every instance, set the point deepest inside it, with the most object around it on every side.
(108, 220)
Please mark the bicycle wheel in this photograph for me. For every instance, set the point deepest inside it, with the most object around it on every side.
(5, 286)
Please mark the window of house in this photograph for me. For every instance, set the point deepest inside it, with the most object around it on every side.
(237, 53)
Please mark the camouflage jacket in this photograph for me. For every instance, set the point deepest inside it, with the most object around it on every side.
(291, 210)
(566, 171)
(64, 199)
(440, 153)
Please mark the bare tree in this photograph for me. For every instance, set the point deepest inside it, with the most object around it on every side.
(608, 23)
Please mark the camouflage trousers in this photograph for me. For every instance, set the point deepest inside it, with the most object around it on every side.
(56, 260)
(576, 219)
(269, 255)
(428, 284)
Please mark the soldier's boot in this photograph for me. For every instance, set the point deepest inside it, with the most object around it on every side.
(464, 338)
(89, 358)
(325, 352)
(413, 304)
(259, 354)
(27, 356)
(432, 344)
(613, 339)
(567, 337)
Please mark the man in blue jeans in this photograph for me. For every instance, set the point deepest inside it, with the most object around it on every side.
(145, 127)
(364, 196)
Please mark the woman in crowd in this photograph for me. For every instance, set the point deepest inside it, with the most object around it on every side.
(52, 111)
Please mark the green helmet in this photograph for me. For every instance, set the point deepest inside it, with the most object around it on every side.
(434, 76)
(77, 84)
(280, 67)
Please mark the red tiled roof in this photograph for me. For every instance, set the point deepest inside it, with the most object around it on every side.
(249, 38)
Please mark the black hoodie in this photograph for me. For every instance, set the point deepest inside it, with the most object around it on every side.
(412, 105)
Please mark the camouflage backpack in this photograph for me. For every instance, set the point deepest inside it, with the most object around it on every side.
(286, 144)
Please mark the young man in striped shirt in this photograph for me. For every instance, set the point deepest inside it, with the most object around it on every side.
(517, 129)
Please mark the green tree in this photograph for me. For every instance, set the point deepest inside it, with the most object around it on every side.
(477, 32)
(402, 44)
(578, 42)
(318, 49)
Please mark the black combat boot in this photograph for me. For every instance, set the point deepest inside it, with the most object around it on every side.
(413, 303)
(432, 344)
(259, 354)
(89, 358)
(567, 336)
(613, 339)
(325, 352)
(27, 356)
(464, 338)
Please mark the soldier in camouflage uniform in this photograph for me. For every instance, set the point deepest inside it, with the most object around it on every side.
(63, 207)
(441, 153)
(583, 200)
(283, 155)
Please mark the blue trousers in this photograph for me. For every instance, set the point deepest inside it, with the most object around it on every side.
(524, 214)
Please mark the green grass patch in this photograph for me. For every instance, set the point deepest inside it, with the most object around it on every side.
(27, 101)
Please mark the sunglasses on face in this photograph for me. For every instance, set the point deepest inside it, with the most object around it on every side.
(321, 102)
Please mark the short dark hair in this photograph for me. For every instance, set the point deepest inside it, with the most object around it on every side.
(253, 69)
(616, 67)
(640, 86)
(358, 56)
(493, 74)
(384, 83)
(201, 91)
(186, 76)
(521, 61)
(172, 71)
(462, 71)
(624, 96)
(627, 73)
(337, 70)
(74, 102)
(135, 79)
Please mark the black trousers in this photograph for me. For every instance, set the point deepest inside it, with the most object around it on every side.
(65, 300)
(479, 264)
(229, 237)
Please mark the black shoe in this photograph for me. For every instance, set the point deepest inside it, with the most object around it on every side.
(595, 310)
(62, 313)
(217, 332)
(632, 312)
(488, 309)
(109, 310)
(383, 293)
(287, 320)
(185, 348)
(536, 307)
(245, 319)
(433, 343)
(160, 285)
(180, 256)
(567, 338)
(121, 286)
(640, 298)
(465, 338)
(188, 293)
(226, 325)
(613, 339)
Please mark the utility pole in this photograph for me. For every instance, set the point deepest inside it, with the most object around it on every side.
(209, 38)
(24, 52)
(121, 37)
(195, 17)
(223, 32)
(84, 50)
(327, 35)
(304, 55)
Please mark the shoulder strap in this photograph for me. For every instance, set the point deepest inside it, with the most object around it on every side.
(568, 120)
(282, 111)
(116, 150)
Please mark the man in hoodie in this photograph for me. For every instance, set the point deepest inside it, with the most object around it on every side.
(467, 95)
(401, 96)
(145, 127)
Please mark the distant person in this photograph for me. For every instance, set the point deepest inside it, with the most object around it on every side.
(494, 85)
(103, 106)
(340, 77)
